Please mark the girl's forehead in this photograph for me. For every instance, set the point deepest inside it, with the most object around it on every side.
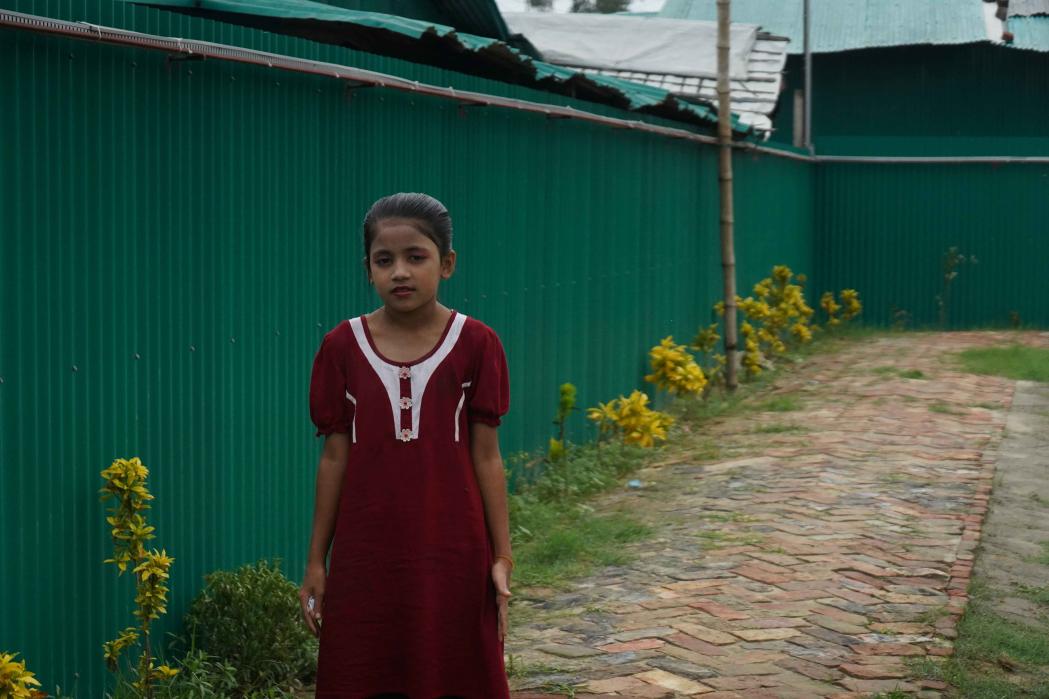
(400, 233)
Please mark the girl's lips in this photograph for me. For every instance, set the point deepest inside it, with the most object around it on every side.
(402, 291)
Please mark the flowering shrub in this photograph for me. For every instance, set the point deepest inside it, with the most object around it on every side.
(125, 483)
(565, 405)
(775, 317)
(849, 308)
(705, 342)
(631, 417)
(779, 306)
(752, 356)
(831, 308)
(674, 370)
(15, 681)
(850, 301)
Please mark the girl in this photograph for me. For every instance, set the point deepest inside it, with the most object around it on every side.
(413, 600)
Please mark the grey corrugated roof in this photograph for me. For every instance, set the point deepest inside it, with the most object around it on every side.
(1026, 8)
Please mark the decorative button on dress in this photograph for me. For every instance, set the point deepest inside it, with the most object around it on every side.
(409, 606)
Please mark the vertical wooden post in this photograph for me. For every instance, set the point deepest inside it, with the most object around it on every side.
(728, 251)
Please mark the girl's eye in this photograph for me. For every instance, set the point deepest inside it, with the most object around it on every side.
(417, 258)
(381, 261)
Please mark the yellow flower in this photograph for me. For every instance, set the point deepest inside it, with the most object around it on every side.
(557, 450)
(633, 419)
(674, 369)
(15, 680)
(850, 300)
(707, 338)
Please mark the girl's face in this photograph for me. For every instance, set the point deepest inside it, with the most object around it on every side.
(405, 265)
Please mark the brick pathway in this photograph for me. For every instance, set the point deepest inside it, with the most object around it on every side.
(834, 544)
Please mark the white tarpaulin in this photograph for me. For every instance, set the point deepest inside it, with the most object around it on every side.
(624, 43)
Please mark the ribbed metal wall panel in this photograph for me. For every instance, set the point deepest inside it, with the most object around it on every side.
(883, 229)
(178, 236)
(970, 100)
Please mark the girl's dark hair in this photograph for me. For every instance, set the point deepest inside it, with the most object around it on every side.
(430, 215)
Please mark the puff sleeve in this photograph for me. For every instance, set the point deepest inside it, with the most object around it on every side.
(329, 408)
(491, 384)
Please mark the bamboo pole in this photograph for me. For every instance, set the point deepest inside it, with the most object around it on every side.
(728, 251)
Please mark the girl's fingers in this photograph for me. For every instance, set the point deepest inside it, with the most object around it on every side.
(503, 619)
(312, 617)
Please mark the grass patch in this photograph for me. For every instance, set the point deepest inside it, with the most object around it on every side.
(943, 408)
(715, 539)
(1038, 595)
(725, 517)
(1043, 557)
(1012, 362)
(556, 536)
(778, 404)
(931, 616)
(894, 694)
(995, 657)
(516, 667)
(896, 371)
(777, 428)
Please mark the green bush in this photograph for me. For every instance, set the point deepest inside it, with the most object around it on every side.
(200, 677)
(249, 618)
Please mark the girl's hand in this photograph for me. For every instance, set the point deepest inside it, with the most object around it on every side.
(313, 587)
(501, 579)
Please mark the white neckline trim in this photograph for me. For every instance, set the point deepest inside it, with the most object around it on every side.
(421, 372)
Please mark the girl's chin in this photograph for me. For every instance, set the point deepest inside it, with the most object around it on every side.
(407, 303)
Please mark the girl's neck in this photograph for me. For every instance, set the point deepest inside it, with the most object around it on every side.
(428, 315)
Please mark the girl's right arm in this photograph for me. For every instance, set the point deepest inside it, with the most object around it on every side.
(330, 471)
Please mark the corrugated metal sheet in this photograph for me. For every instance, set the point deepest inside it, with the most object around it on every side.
(171, 258)
(883, 229)
(481, 17)
(977, 99)
(1030, 32)
(442, 46)
(675, 55)
(843, 25)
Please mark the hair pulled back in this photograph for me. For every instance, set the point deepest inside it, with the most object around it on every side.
(430, 215)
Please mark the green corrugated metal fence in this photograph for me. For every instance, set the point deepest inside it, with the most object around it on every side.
(178, 236)
(883, 229)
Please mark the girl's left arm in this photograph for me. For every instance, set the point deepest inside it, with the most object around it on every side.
(488, 467)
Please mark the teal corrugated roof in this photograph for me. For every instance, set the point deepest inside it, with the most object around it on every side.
(480, 17)
(843, 25)
(436, 44)
(1030, 32)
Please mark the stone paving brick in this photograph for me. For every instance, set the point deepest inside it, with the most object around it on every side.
(704, 633)
(641, 644)
(674, 682)
(837, 539)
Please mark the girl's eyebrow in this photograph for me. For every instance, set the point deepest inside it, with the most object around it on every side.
(410, 248)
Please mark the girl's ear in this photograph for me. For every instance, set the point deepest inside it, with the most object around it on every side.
(448, 264)
(367, 269)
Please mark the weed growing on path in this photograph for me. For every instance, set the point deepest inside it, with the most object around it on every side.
(943, 408)
(912, 374)
(777, 428)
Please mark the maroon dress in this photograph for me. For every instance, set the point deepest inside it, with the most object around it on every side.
(409, 607)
